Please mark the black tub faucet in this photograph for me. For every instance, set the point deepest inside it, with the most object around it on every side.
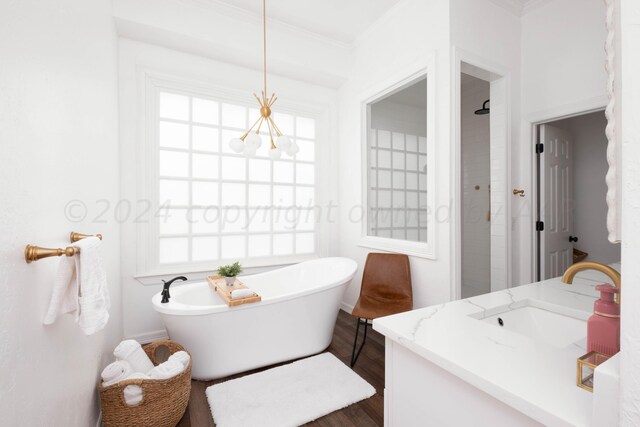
(165, 289)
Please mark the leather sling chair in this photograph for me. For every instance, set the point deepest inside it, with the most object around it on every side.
(386, 290)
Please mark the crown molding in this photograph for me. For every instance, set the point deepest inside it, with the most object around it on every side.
(219, 51)
(513, 6)
(518, 7)
(534, 4)
(241, 14)
(217, 34)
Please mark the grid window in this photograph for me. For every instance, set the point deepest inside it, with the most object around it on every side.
(219, 205)
(397, 185)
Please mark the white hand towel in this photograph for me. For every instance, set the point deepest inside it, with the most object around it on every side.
(64, 298)
(94, 301)
(242, 293)
(132, 352)
(168, 369)
(182, 357)
(133, 394)
(115, 372)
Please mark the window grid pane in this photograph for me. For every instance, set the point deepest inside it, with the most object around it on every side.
(190, 248)
(209, 201)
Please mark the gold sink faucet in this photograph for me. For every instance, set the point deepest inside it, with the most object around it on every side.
(612, 273)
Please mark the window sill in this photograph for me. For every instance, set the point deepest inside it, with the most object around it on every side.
(415, 249)
(199, 272)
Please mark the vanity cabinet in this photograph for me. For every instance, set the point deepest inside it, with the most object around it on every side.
(419, 393)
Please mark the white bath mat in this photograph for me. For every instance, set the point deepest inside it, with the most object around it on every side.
(289, 395)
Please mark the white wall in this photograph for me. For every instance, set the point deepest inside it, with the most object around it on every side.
(395, 117)
(58, 121)
(487, 36)
(421, 28)
(138, 59)
(476, 237)
(562, 71)
(562, 54)
(629, 131)
(589, 186)
(480, 29)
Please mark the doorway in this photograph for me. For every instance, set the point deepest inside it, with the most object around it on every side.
(482, 251)
(475, 143)
(571, 199)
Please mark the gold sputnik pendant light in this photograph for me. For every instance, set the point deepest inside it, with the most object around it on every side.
(251, 140)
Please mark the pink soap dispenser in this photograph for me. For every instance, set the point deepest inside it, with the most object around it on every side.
(603, 327)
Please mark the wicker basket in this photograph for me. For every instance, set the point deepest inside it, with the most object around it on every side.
(164, 401)
(578, 255)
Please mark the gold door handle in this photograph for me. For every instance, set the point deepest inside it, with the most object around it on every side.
(518, 192)
(489, 211)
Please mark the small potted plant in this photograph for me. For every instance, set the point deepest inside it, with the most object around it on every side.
(229, 272)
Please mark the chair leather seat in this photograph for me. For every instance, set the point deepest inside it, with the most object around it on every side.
(386, 286)
(374, 306)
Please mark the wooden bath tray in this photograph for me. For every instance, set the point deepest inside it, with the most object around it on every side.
(219, 285)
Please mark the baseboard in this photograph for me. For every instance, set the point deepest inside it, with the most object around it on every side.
(346, 307)
(148, 337)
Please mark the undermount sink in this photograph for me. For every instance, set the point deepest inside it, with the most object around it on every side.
(541, 323)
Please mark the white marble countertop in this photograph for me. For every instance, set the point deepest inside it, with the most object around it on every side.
(536, 378)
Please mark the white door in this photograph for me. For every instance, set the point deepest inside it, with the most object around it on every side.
(556, 198)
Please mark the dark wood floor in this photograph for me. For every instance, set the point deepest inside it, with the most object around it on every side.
(370, 366)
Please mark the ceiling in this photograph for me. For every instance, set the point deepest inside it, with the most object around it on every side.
(466, 79)
(340, 20)
(519, 7)
(414, 95)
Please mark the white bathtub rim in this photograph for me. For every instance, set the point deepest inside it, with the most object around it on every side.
(179, 309)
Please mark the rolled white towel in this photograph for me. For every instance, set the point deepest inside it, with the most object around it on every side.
(182, 357)
(132, 352)
(116, 371)
(165, 370)
(242, 293)
(133, 394)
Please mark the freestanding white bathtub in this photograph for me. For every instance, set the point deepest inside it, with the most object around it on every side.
(295, 318)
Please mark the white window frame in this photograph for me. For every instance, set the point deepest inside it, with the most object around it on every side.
(390, 85)
(148, 265)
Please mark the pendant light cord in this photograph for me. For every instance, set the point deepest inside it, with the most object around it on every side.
(264, 40)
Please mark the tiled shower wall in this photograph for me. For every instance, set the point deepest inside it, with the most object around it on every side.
(398, 185)
(397, 147)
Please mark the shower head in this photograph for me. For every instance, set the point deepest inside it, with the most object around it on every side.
(484, 110)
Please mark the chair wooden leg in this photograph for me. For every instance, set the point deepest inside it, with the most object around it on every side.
(354, 354)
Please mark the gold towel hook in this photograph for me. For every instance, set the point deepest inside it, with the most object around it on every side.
(34, 253)
(75, 236)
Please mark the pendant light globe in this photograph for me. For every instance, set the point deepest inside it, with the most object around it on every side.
(283, 142)
(292, 150)
(275, 153)
(254, 139)
(236, 145)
